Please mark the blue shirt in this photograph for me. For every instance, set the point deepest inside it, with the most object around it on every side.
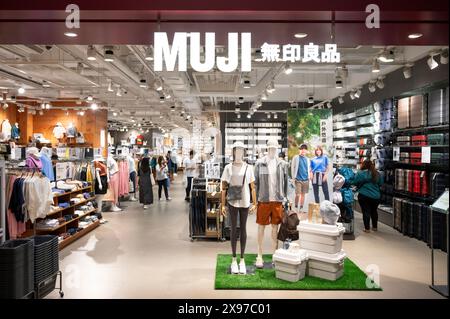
(47, 167)
(319, 164)
(302, 173)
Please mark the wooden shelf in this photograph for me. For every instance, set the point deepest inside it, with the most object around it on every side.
(79, 234)
(72, 206)
(66, 223)
(72, 192)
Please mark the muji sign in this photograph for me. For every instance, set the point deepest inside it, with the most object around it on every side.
(167, 54)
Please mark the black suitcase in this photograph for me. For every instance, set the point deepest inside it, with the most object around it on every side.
(425, 223)
(439, 182)
(397, 204)
(438, 108)
(416, 220)
(406, 208)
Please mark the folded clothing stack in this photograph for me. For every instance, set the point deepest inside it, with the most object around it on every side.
(57, 191)
(47, 223)
(64, 205)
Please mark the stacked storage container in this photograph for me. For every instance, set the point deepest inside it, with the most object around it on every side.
(323, 244)
(290, 264)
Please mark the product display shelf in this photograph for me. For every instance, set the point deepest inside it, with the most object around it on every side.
(415, 197)
(73, 192)
(66, 223)
(423, 129)
(71, 206)
(424, 167)
(418, 147)
(64, 243)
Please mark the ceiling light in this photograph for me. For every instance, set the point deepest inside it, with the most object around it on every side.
(237, 109)
(158, 85)
(264, 96)
(168, 96)
(249, 116)
(375, 66)
(90, 98)
(238, 115)
(258, 102)
(372, 87)
(271, 87)
(444, 57)
(415, 35)
(114, 113)
(341, 99)
(380, 82)
(387, 56)
(339, 82)
(70, 34)
(300, 35)
(294, 104)
(275, 115)
(161, 99)
(48, 106)
(407, 71)
(45, 84)
(119, 92)
(139, 125)
(94, 106)
(81, 113)
(110, 89)
(148, 54)
(432, 64)
(287, 69)
(358, 93)
(329, 105)
(91, 53)
(41, 112)
(352, 95)
(268, 115)
(21, 90)
(108, 54)
(311, 99)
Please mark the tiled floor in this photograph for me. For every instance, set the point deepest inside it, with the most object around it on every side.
(148, 254)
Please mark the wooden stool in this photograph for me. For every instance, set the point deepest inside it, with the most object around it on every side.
(314, 213)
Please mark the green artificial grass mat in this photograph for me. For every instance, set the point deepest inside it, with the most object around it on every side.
(353, 279)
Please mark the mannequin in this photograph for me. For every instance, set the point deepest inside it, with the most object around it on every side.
(47, 167)
(132, 172)
(271, 179)
(15, 131)
(238, 173)
(6, 129)
(113, 181)
(101, 179)
(59, 131)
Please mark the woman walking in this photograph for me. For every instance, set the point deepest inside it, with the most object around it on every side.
(319, 171)
(145, 183)
(162, 177)
(368, 182)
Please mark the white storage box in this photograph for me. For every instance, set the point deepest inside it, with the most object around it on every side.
(326, 266)
(321, 237)
(290, 264)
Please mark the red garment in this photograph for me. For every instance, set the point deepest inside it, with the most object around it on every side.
(139, 139)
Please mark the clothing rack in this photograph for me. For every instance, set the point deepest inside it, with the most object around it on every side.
(2, 202)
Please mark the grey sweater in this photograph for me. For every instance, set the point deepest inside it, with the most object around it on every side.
(262, 180)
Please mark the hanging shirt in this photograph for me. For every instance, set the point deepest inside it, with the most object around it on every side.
(15, 132)
(47, 167)
(59, 131)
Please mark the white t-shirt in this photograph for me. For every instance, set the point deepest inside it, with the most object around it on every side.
(272, 166)
(233, 175)
(59, 131)
(131, 164)
(190, 163)
(113, 167)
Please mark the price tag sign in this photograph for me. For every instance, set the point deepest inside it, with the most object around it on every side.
(426, 155)
(396, 154)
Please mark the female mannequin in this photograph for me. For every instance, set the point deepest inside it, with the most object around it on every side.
(113, 172)
(238, 173)
(6, 129)
(101, 179)
(15, 131)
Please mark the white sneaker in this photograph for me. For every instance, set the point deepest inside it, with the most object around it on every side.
(133, 199)
(116, 209)
(234, 267)
(169, 199)
(259, 262)
(242, 267)
(145, 206)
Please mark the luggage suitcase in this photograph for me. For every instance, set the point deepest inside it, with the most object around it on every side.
(419, 140)
(397, 204)
(415, 158)
(424, 184)
(406, 217)
(439, 182)
(399, 179)
(439, 158)
(436, 139)
(438, 108)
(415, 182)
(404, 157)
(409, 181)
(417, 111)
(403, 140)
(403, 113)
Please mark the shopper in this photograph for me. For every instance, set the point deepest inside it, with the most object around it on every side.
(162, 177)
(145, 183)
(300, 169)
(175, 162)
(320, 167)
(368, 182)
(190, 166)
(169, 164)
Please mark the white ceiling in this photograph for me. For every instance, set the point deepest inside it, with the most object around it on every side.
(72, 77)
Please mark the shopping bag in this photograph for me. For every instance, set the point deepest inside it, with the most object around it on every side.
(109, 196)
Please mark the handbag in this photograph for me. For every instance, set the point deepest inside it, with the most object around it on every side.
(234, 192)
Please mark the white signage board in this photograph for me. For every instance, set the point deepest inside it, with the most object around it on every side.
(426, 154)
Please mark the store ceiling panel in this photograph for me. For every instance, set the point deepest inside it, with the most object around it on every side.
(210, 82)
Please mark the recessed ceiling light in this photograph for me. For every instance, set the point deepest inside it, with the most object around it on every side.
(301, 35)
(94, 106)
(91, 53)
(375, 66)
(21, 90)
(114, 113)
(70, 34)
(45, 84)
(415, 35)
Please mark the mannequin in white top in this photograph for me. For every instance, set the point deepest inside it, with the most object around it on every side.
(238, 173)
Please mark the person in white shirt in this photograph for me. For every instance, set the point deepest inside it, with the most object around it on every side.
(162, 177)
(190, 167)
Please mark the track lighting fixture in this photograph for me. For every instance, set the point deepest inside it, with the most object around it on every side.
(311, 99)
(358, 93)
(264, 96)
(21, 90)
(444, 56)
(108, 54)
(249, 116)
(432, 64)
(119, 92)
(375, 66)
(329, 106)
(352, 95)
(341, 99)
(110, 89)
(287, 68)
(268, 115)
(339, 82)
(407, 71)
(271, 87)
(149, 54)
(387, 56)
(380, 83)
(258, 102)
(372, 87)
(158, 85)
(89, 98)
(114, 113)
(143, 83)
(238, 115)
(275, 115)
(45, 84)
(91, 54)
(48, 106)
(237, 109)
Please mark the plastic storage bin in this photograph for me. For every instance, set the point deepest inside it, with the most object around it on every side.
(326, 266)
(290, 264)
(320, 237)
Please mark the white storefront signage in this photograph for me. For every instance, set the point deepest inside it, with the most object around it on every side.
(175, 56)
